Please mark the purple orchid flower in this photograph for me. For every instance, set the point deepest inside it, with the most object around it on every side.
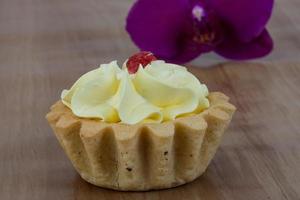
(180, 30)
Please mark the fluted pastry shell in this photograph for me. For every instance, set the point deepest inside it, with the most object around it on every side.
(143, 156)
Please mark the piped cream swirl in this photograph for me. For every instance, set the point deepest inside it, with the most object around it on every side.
(159, 92)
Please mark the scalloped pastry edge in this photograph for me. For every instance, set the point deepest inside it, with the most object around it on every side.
(143, 156)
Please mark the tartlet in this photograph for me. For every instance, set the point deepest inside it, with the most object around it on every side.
(142, 156)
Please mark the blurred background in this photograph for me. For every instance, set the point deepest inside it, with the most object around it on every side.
(92, 31)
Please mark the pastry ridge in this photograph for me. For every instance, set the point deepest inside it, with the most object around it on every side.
(143, 156)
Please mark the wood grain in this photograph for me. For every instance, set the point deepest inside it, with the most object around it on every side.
(46, 45)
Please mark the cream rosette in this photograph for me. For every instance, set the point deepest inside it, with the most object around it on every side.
(157, 93)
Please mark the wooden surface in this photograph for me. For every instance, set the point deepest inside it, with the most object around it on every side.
(45, 46)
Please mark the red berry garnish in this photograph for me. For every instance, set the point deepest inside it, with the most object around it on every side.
(142, 58)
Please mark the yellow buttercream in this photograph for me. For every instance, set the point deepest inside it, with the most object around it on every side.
(156, 93)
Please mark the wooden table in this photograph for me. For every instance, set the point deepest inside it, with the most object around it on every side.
(46, 45)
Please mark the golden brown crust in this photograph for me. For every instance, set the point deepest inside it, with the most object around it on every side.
(142, 156)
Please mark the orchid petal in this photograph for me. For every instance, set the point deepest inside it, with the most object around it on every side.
(246, 18)
(234, 49)
(164, 28)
